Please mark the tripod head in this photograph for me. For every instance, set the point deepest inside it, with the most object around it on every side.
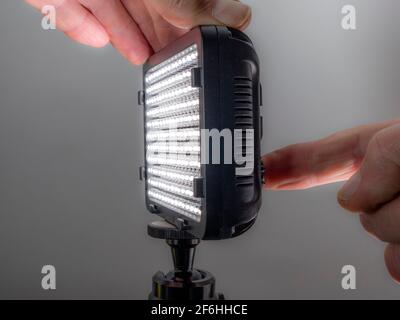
(184, 282)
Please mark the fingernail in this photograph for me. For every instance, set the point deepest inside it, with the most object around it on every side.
(232, 13)
(350, 188)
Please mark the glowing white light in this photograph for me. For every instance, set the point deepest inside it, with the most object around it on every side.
(173, 135)
(174, 148)
(170, 187)
(189, 120)
(190, 105)
(180, 77)
(178, 91)
(191, 209)
(185, 177)
(172, 122)
(182, 60)
(174, 160)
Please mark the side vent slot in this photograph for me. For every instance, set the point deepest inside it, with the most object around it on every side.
(243, 102)
(244, 119)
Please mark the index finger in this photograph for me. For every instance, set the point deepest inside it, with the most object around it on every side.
(75, 21)
(332, 159)
(124, 34)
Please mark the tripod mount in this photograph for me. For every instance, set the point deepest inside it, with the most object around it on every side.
(183, 283)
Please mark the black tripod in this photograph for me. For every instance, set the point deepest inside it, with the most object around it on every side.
(183, 283)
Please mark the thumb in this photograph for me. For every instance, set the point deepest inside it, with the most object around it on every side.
(377, 181)
(190, 13)
(392, 259)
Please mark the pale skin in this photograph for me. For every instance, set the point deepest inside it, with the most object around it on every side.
(367, 157)
(137, 28)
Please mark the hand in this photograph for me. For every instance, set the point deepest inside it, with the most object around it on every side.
(369, 158)
(137, 28)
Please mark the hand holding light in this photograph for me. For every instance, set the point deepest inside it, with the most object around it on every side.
(137, 28)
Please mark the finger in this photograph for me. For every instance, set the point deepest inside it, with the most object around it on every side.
(154, 27)
(139, 12)
(378, 180)
(392, 259)
(77, 22)
(335, 158)
(122, 30)
(385, 223)
(190, 13)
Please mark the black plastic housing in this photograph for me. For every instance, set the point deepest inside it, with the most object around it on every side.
(230, 98)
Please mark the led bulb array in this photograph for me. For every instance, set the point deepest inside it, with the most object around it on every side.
(174, 160)
(172, 81)
(188, 134)
(183, 60)
(185, 177)
(173, 134)
(184, 148)
(188, 208)
(191, 104)
(171, 187)
(177, 91)
(191, 120)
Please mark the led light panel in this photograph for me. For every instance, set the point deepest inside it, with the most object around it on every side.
(206, 80)
(173, 133)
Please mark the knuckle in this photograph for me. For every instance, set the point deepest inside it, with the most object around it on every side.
(175, 3)
(386, 144)
(196, 6)
(94, 6)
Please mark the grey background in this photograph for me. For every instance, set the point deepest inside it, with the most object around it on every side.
(71, 143)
